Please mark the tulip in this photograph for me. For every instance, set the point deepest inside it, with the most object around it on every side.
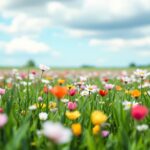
(72, 92)
(59, 91)
(103, 92)
(72, 105)
(139, 112)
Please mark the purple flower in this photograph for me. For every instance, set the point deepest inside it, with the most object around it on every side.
(105, 133)
(3, 120)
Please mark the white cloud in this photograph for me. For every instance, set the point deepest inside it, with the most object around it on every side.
(119, 43)
(23, 24)
(24, 44)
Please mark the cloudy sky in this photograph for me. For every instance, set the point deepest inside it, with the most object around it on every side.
(75, 32)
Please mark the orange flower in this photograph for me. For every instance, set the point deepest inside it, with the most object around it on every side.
(135, 93)
(59, 91)
(45, 89)
(76, 129)
(118, 88)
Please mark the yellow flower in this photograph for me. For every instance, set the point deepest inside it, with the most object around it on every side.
(73, 115)
(49, 78)
(40, 105)
(98, 117)
(52, 105)
(61, 81)
(135, 93)
(96, 129)
(127, 92)
(69, 87)
(76, 129)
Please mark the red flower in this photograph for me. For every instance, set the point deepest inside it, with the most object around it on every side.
(105, 79)
(1, 110)
(139, 112)
(103, 92)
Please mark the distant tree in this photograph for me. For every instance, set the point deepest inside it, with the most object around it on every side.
(132, 65)
(30, 63)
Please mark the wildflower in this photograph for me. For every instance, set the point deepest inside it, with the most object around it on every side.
(65, 100)
(59, 91)
(3, 120)
(83, 78)
(69, 87)
(32, 107)
(141, 73)
(45, 90)
(109, 86)
(118, 88)
(43, 116)
(43, 67)
(103, 92)
(105, 133)
(56, 132)
(40, 99)
(61, 81)
(72, 105)
(139, 112)
(135, 93)
(2, 91)
(73, 115)
(127, 104)
(142, 127)
(98, 117)
(96, 129)
(76, 129)
(91, 88)
(84, 93)
(52, 105)
(1, 110)
(72, 92)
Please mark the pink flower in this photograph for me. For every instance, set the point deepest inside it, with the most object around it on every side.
(72, 105)
(2, 91)
(3, 120)
(72, 92)
(109, 86)
(105, 133)
(139, 112)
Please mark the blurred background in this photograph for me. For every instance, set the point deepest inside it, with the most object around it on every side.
(75, 33)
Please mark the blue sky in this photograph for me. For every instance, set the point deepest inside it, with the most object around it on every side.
(75, 32)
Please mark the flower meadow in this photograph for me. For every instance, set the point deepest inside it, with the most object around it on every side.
(80, 110)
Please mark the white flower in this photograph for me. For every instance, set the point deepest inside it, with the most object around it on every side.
(84, 93)
(43, 116)
(44, 67)
(32, 107)
(56, 132)
(142, 127)
(127, 104)
(53, 109)
(83, 79)
(141, 73)
(65, 100)
(45, 81)
(91, 88)
(126, 79)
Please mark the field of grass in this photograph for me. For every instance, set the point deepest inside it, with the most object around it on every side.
(74, 109)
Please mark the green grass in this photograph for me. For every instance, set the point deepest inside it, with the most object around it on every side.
(20, 132)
